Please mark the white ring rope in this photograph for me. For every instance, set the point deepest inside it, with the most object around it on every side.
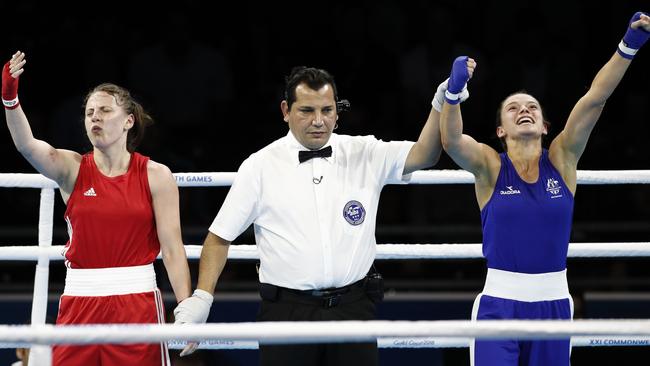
(325, 331)
(384, 251)
(398, 342)
(18, 180)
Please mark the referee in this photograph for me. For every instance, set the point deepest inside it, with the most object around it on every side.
(312, 197)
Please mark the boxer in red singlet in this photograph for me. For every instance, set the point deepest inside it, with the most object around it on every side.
(122, 210)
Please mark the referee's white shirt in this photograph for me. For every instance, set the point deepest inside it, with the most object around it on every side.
(310, 232)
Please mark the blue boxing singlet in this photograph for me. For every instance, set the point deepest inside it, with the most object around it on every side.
(526, 231)
(527, 226)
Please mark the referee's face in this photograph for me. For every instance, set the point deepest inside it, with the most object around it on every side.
(312, 116)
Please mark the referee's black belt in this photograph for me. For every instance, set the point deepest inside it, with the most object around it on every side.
(326, 298)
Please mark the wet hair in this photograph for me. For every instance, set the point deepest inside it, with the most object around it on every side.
(499, 122)
(313, 77)
(124, 99)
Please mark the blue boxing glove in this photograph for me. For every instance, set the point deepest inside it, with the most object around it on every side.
(633, 39)
(457, 80)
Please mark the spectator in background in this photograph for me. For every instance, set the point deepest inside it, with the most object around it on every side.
(187, 84)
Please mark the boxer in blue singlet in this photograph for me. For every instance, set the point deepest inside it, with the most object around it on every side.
(526, 199)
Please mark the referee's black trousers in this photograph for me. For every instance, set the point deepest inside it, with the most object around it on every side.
(291, 306)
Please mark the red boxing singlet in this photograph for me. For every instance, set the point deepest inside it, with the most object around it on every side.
(110, 278)
(110, 220)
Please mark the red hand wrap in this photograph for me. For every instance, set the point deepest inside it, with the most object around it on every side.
(9, 89)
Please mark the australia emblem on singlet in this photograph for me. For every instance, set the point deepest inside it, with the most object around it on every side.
(354, 213)
(553, 187)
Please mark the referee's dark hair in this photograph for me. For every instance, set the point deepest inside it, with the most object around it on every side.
(313, 77)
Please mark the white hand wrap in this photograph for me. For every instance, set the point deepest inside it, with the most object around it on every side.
(630, 52)
(10, 104)
(194, 309)
(439, 98)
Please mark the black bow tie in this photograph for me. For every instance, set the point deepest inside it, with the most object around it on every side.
(310, 154)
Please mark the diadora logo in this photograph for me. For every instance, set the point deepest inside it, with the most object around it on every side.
(90, 193)
(510, 191)
(553, 187)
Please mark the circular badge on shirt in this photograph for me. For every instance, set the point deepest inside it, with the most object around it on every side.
(354, 213)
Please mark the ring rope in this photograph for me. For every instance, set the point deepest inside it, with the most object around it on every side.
(446, 176)
(402, 342)
(328, 331)
(384, 251)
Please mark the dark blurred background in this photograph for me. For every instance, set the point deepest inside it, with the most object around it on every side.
(212, 76)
